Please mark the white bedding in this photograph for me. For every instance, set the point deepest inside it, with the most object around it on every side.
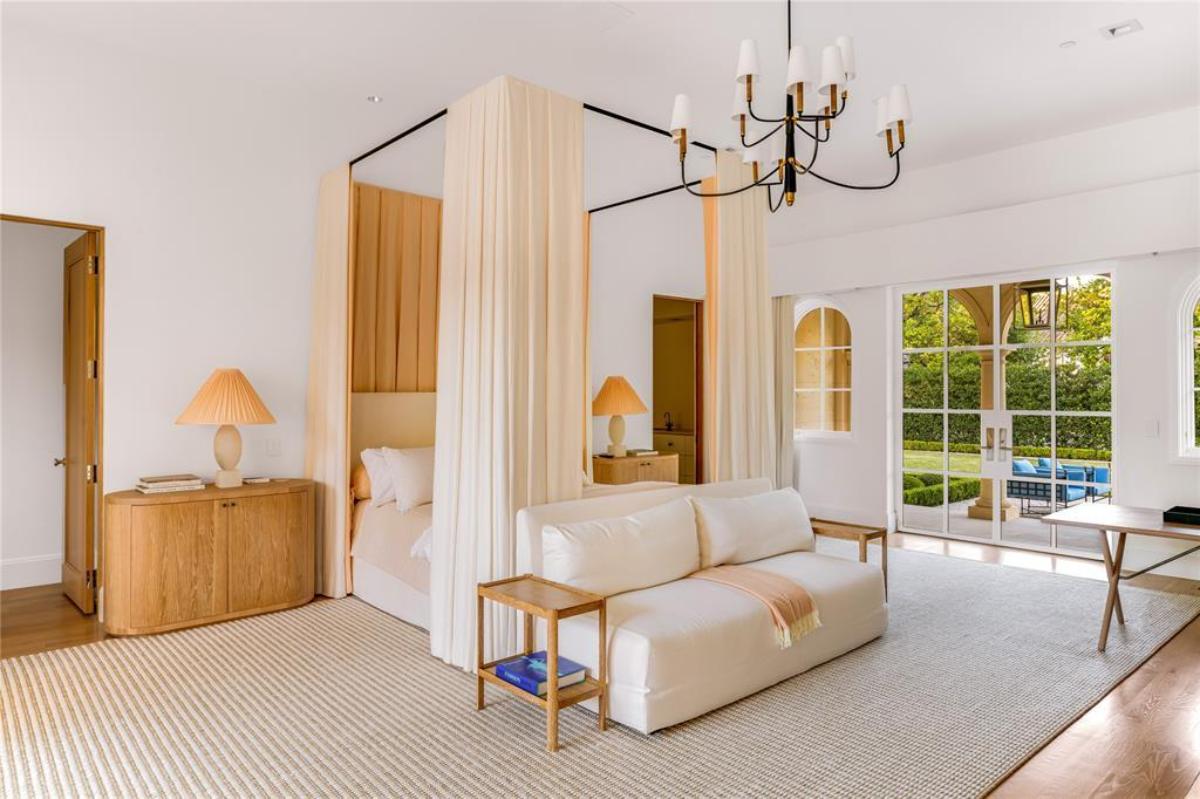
(384, 537)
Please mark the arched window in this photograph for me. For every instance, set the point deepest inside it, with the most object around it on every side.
(1189, 373)
(823, 371)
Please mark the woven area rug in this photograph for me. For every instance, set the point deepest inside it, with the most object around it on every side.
(981, 665)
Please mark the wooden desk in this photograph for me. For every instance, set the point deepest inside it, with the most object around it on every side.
(862, 534)
(536, 596)
(1123, 521)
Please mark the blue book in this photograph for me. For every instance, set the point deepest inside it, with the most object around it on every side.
(528, 672)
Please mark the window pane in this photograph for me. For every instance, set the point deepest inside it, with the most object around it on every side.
(837, 329)
(837, 411)
(970, 381)
(970, 507)
(1196, 418)
(1083, 378)
(1085, 444)
(808, 369)
(969, 314)
(1196, 359)
(1031, 443)
(1196, 316)
(1084, 308)
(924, 502)
(923, 441)
(923, 325)
(837, 368)
(1027, 379)
(808, 410)
(1026, 500)
(923, 380)
(1024, 312)
(808, 332)
(965, 440)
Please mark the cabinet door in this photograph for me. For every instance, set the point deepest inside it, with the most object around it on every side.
(270, 550)
(659, 469)
(176, 557)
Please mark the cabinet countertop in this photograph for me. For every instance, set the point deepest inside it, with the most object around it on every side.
(278, 485)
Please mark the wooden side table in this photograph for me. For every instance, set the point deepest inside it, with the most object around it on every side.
(538, 597)
(862, 534)
(635, 468)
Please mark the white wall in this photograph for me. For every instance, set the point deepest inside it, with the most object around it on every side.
(32, 410)
(651, 247)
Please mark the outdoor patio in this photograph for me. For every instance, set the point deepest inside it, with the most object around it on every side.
(1028, 530)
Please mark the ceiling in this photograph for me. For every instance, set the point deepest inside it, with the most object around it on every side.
(982, 76)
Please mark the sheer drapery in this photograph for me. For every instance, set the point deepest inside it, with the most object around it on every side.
(510, 375)
(739, 383)
(783, 320)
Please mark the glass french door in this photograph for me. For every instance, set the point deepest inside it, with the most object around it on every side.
(1004, 395)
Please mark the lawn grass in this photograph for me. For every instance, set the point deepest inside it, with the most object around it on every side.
(932, 461)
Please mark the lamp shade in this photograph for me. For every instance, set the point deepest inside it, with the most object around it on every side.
(740, 108)
(617, 398)
(797, 71)
(747, 60)
(832, 69)
(846, 45)
(681, 114)
(898, 107)
(226, 398)
(881, 116)
(775, 148)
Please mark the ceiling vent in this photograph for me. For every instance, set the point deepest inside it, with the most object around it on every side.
(1120, 29)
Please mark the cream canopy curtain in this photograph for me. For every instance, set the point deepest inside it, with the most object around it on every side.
(326, 458)
(739, 382)
(783, 321)
(510, 375)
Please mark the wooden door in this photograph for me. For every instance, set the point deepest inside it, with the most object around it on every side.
(177, 554)
(270, 550)
(80, 375)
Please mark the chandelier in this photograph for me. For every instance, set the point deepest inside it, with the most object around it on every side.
(773, 156)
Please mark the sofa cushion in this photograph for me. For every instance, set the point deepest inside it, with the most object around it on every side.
(609, 556)
(686, 647)
(744, 529)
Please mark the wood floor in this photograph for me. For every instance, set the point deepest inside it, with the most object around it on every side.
(1141, 740)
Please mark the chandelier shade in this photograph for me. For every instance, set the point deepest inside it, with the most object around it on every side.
(777, 160)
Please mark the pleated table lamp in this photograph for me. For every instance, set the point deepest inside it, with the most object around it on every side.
(226, 399)
(617, 398)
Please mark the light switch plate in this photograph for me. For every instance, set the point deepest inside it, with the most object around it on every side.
(274, 447)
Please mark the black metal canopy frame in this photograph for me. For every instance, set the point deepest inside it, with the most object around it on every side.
(595, 109)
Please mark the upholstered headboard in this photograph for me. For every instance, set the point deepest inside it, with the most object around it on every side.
(390, 419)
(531, 520)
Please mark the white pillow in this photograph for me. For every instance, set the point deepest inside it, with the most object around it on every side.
(382, 490)
(609, 556)
(411, 471)
(423, 547)
(742, 529)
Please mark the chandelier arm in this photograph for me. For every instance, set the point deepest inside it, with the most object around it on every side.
(773, 207)
(895, 156)
(778, 128)
(760, 182)
(823, 117)
(757, 118)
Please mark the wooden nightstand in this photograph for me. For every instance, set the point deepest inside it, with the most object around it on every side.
(862, 534)
(618, 471)
(537, 596)
(193, 557)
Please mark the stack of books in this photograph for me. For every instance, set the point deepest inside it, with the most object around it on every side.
(169, 483)
(528, 672)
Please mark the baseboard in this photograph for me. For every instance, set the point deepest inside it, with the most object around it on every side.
(26, 572)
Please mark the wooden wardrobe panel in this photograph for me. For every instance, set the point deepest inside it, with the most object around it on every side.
(387, 298)
(410, 296)
(431, 244)
(366, 267)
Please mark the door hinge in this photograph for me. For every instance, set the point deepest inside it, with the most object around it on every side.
(91, 473)
(91, 368)
(93, 264)
(90, 577)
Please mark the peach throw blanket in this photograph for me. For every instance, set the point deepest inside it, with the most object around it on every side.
(792, 608)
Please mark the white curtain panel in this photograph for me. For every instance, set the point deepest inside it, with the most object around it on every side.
(783, 320)
(740, 437)
(325, 434)
(510, 377)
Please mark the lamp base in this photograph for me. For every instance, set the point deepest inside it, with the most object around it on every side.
(227, 447)
(228, 478)
(616, 434)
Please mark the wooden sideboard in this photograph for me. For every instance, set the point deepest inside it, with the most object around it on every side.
(617, 471)
(194, 557)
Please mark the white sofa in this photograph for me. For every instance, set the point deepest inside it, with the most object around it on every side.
(684, 647)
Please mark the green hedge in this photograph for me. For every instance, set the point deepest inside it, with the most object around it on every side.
(1069, 453)
(930, 496)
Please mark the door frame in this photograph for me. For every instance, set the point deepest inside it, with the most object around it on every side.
(895, 471)
(699, 305)
(101, 271)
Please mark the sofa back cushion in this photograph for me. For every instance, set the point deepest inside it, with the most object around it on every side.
(743, 529)
(611, 556)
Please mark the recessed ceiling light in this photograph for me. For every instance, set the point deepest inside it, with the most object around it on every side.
(374, 98)
(1068, 44)
(1120, 29)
